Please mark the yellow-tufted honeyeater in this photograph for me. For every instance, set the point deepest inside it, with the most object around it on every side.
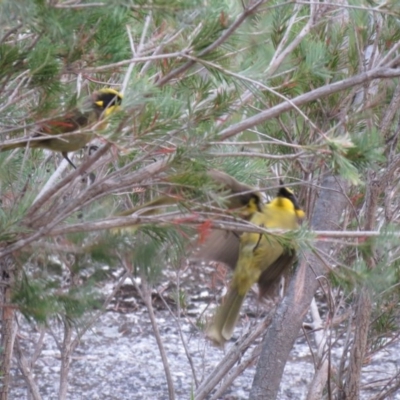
(95, 108)
(261, 258)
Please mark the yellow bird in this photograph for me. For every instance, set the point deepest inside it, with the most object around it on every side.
(262, 258)
(94, 109)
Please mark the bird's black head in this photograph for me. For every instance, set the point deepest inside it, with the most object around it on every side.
(288, 194)
(107, 99)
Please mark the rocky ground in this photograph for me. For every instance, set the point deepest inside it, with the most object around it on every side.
(119, 358)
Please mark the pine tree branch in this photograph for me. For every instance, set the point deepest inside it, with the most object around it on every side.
(284, 157)
(78, 6)
(10, 32)
(281, 54)
(254, 82)
(196, 219)
(62, 184)
(376, 73)
(98, 189)
(133, 60)
(362, 317)
(246, 13)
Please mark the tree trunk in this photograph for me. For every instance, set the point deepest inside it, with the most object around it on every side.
(7, 324)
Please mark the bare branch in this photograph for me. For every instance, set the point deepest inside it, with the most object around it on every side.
(230, 359)
(26, 370)
(145, 293)
(376, 73)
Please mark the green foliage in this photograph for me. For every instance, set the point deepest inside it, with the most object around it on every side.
(350, 157)
(279, 20)
(110, 36)
(56, 38)
(384, 324)
(392, 33)
(43, 66)
(244, 169)
(382, 283)
(381, 279)
(181, 298)
(315, 58)
(74, 31)
(18, 188)
(339, 147)
(367, 151)
(152, 247)
(210, 30)
(40, 300)
(10, 58)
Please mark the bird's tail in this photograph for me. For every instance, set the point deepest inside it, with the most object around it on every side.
(12, 146)
(225, 318)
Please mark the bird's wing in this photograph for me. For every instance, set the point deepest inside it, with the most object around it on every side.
(269, 278)
(221, 246)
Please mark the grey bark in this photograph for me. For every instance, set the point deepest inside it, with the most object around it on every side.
(8, 328)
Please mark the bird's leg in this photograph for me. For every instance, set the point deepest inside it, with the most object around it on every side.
(91, 176)
(65, 155)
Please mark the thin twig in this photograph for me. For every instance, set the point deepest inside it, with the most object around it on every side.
(26, 369)
(232, 356)
(234, 373)
(183, 340)
(145, 294)
(66, 353)
(189, 357)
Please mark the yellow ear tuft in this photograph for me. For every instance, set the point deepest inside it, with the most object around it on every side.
(300, 213)
(252, 206)
(112, 91)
